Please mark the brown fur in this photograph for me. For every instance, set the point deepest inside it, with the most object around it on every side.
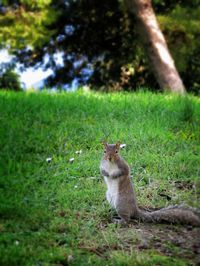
(121, 194)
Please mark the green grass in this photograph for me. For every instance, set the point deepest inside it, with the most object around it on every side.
(55, 213)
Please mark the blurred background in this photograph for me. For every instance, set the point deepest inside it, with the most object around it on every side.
(52, 197)
(67, 44)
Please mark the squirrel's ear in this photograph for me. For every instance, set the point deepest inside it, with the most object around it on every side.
(104, 143)
(118, 145)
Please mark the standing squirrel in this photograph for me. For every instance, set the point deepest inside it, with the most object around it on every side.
(121, 195)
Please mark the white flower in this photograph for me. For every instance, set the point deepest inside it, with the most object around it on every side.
(122, 146)
(78, 152)
(48, 160)
(71, 160)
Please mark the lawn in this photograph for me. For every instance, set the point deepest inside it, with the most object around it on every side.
(53, 212)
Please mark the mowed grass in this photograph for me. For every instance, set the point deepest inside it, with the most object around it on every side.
(55, 213)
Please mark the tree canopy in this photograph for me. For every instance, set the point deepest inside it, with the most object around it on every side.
(98, 40)
(9, 79)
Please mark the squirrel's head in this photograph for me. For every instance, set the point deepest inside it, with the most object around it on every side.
(111, 151)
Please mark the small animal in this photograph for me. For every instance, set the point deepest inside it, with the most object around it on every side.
(121, 195)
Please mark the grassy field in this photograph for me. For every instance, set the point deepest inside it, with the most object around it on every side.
(55, 213)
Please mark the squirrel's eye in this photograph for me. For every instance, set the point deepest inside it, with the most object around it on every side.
(105, 151)
(116, 151)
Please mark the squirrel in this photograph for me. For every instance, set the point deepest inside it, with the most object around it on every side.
(121, 195)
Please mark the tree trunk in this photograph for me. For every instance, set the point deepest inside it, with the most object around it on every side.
(160, 58)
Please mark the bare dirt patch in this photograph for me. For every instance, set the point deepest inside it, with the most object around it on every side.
(170, 240)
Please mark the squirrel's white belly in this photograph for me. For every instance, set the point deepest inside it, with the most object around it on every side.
(112, 184)
(110, 168)
(112, 192)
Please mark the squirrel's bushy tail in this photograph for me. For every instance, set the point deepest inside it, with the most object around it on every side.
(173, 214)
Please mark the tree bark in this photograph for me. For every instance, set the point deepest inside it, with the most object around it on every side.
(155, 44)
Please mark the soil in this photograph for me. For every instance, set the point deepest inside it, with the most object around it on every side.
(178, 241)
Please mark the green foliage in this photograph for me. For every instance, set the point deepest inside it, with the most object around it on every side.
(102, 38)
(181, 28)
(55, 212)
(9, 79)
(30, 4)
(25, 25)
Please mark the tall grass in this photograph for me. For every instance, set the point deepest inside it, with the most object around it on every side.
(50, 211)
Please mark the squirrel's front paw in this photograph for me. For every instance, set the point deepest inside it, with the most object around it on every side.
(104, 173)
